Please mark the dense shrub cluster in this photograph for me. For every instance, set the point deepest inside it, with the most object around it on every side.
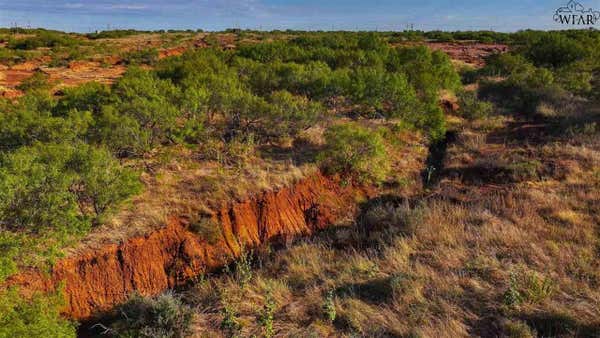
(545, 66)
(35, 317)
(42, 38)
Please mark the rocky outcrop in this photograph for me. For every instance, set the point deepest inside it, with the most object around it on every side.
(96, 280)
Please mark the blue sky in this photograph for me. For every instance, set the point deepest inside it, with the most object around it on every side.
(86, 15)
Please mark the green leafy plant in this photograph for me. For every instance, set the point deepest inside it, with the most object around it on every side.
(267, 316)
(471, 107)
(164, 315)
(35, 317)
(355, 151)
(230, 321)
(329, 307)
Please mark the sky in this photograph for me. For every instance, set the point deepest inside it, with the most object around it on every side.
(87, 15)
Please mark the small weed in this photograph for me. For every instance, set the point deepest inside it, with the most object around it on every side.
(230, 322)
(329, 307)
(243, 268)
(512, 296)
(528, 288)
(525, 170)
(266, 318)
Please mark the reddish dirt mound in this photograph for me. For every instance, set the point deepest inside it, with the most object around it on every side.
(13, 77)
(26, 66)
(171, 52)
(82, 65)
(10, 93)
(97, 280)
(82, 72)
(471, 53)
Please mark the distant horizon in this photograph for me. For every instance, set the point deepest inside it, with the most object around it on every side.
(200, 30)
(84, 16)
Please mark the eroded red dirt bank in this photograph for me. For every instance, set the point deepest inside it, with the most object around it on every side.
(97, 280)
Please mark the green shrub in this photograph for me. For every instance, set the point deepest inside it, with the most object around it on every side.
(143, 115)
(471, 107)
(38, 81)
(528, 287)
(230, 321)
(554, 50)
(243, 268)
(576, 77)
(34, 190)
(329, 307)
(355, 151)
(141, 57)
(101, 183)
(37, 317)
(114, 34)
(428, 71)
(31, 121)
(89, 96)
(163, 316)
(43, 39)
(267, 316)
(61, 187)
(290, 114)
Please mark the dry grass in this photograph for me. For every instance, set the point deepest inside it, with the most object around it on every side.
(180, 185)
(184, 181)
(495, 259)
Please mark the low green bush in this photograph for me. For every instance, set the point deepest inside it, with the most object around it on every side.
(164, 316)
(356, 152)
(60, 186)
(471, 107)
(37, 317)
(141, 57)
(43, 38)
(38, 81)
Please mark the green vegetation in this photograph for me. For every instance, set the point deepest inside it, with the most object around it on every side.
(143, 56)
(473, 108)
(114, 34)
(37, 317)
(161, 316)
(544, 70)
(355, 151)
(68, 162)
(43, 38)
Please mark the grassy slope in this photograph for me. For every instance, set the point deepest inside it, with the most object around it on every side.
(504, 244)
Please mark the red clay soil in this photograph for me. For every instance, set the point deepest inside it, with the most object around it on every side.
(471, 53)
(13, 77)
(78, 72)
(97, 280)
(176, 51)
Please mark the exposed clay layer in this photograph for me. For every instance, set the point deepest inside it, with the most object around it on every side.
(97, 280)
